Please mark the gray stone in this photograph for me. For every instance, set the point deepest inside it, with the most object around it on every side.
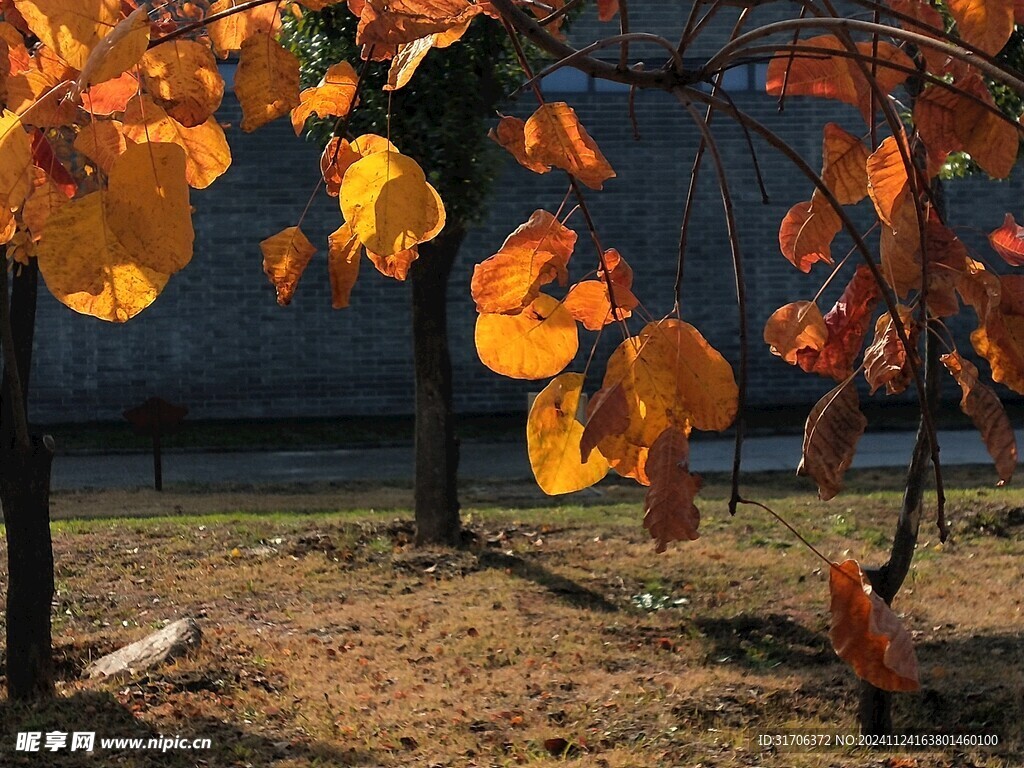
(174, 640)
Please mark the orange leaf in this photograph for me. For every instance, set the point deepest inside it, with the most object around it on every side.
(588, 302)
(532, 256)
(843, 165)
(987, 412)
(118, 51)
(951, 122)
(606, 9)
(228, 34)
(607, 415)
(1000, 334)
(794, 329)
(333, 97)
(1008, 241)
(926, 14)
(669, 511)
(111, 96)
(510, 134)
(553, 439)
(45, 198)
(342, 264)
(900, 247)
(538, 342)
(555, 136)
(885, 361)
(986, 24)
(887, 178)
(831, 433)
(285, 257)
(866, 633)
(847, 323)
(393, 22)
(395, 265)
(619, 271)
(182, 77)
(102, 141)
(835, 77)
(266, 81)
(806, 233)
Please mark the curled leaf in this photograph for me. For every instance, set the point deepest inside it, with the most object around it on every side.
(554, 136)
(794, 329)
(807, 232)
(588, 302)
(342, 264)
(847, 323)
(831, 433)
(885, 361)
(867, 635)
(510, 135)
(333, 97)
(986, 411)
(285, 257)
(1008, 241)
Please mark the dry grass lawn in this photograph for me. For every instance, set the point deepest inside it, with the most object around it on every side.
(556, 635)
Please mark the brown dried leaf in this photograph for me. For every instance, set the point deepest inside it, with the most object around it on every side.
(831, 433)
(669, 511)
(794, 329)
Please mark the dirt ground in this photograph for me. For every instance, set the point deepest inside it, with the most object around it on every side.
(555, 635)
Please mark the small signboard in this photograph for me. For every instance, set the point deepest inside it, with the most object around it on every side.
(154, 418)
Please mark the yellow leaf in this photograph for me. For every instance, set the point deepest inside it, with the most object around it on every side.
(46, 197)
(396, 265)
(72, 28)
(228, 34)
(331, 98)
(553, 439)
(555, 136)
(183, 78)
(387, 201)
(538, 342)
(118, 51)
(342, 264)
(285, 257)
(88, 269)
(266, 82)
(207, 154)
(102, 141)
(15, 161)
(147, 206)
(406, 61)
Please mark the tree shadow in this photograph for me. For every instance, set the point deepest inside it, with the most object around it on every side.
(564, 589)
(101, 713)
(764, 641)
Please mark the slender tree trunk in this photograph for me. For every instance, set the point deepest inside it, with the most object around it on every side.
(25, 464)
(437, 448)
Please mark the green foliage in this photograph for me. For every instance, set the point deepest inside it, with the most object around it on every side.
(440, 118)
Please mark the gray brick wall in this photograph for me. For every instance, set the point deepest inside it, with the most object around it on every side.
(217, 342)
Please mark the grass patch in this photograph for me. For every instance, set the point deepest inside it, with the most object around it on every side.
(556, 634)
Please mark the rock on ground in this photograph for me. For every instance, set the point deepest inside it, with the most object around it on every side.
(176, 639)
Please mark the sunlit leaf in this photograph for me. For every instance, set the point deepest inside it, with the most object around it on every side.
(999, 337)
(866, 633)
(509, 133)
(111, 96)
(45, 198)
(333, 97)
(266, 81)
(72, 28)
(844, 159)
(340, 153)
(806, 233)
(119, 50)
(182, 77)
(553, 436)
(847, 323)
(984, 23)
(407, 61)
(102, 141)
(87, 267)
(285, 257)
(394, 22)
(387, 201)
(394, 265)
(533, 256)
(148, 208)
(588, 302)
(794, 329)
(343, 264)
(885, 360)
(554, 136)
(831, 433)
(606, 9)
(228, 34)
(1008, 241)
(538, 342)
(15, 161)
(669, 511)
(887, 178)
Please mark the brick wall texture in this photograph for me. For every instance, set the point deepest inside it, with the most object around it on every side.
(217, 342)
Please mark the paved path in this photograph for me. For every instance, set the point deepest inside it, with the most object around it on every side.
(480, 461)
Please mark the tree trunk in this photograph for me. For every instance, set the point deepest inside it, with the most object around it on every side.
(25, 495)
(437, 448)
(25, 465)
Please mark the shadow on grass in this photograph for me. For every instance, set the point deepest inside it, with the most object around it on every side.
(566, 590)
(100, 712)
